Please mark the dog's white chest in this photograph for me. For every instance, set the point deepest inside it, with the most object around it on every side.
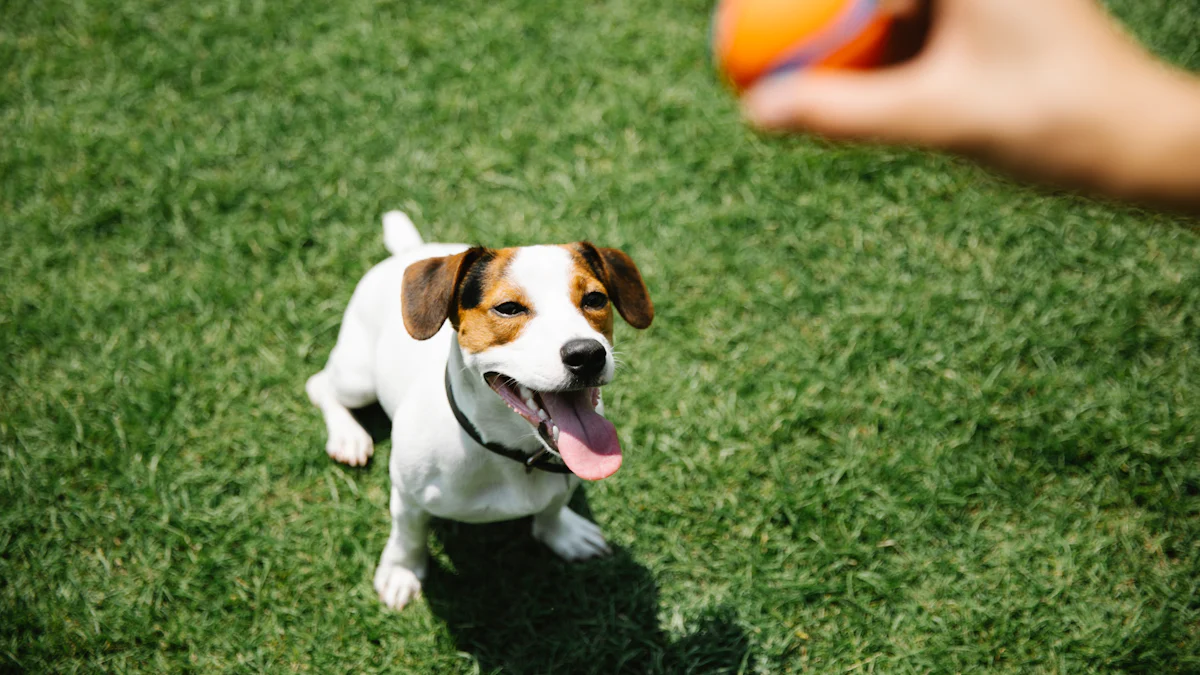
(488, 500)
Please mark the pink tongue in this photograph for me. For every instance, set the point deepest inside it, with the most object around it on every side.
(587, 442)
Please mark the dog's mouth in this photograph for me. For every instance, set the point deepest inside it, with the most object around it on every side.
(568, 423)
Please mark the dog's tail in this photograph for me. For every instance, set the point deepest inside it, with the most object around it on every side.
(399, 233)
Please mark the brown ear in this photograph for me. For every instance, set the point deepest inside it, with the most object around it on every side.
(623, 282)
(428, 292)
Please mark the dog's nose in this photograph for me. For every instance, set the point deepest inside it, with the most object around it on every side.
(583, 357)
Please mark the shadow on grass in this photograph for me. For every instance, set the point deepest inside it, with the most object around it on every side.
(375, 421)
(517, 608)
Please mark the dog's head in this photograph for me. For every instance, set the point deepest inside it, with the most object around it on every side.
(536, 323)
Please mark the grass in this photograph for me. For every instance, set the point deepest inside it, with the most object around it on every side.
(895, 415)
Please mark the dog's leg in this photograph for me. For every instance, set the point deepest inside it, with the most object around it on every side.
(405, 558)
(348, 442)
(567, 533)
(346, 382)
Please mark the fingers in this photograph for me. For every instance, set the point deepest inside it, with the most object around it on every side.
(897, 105)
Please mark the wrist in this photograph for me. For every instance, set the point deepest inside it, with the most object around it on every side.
(1133, 134)
(1155, 138)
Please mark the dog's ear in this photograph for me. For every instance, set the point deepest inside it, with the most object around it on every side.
(623, 282)
(429, 291)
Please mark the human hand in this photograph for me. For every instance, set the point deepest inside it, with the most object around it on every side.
(1050, 89)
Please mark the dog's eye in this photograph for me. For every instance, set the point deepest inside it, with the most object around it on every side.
(594, 300)
(509, 309)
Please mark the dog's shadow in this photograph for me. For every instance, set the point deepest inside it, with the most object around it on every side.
(517, 608)
(511, 603)
(375, 421)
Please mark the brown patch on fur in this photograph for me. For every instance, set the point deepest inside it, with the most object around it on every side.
(584, 280)
(430, 288)
(480, 328)
(465, 288)
(621, 279)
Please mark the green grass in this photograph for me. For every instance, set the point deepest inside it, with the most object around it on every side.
(895, 415)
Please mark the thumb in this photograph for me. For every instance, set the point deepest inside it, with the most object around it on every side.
(895, 105)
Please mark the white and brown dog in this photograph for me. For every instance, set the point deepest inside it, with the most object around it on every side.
(489, 363)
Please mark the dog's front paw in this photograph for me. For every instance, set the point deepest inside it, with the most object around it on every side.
(571, 536)
(396, 585)
(350, 444)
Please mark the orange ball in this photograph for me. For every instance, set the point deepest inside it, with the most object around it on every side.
(753, 38)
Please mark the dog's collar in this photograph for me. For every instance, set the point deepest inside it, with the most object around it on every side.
(542, 460)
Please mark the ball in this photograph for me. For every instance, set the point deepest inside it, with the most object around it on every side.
(755, 38)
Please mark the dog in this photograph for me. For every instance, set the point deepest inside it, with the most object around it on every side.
(489, 363)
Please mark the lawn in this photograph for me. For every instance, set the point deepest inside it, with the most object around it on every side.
(894, 415)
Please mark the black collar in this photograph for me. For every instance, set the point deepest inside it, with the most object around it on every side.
(541, 460)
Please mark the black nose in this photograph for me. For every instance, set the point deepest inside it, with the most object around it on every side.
(584, 358)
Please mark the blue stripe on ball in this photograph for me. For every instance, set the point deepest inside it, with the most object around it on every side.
(848, 24)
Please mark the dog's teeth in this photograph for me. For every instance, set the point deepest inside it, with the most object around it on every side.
(542, 415)
(524, 391)
(554, 432)
(529, 402)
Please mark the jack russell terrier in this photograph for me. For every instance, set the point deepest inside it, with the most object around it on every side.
(489, 363)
